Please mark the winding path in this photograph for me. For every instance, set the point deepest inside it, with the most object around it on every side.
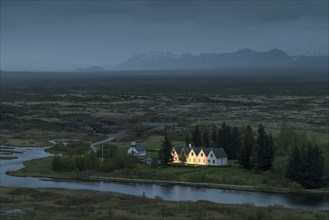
(110, 137)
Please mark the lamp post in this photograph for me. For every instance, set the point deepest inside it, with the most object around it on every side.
(102, 153)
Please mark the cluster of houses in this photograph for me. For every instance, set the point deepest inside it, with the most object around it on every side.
(206, 156)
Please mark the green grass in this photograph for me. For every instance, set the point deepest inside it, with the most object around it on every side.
(54, 204)
(7, 157)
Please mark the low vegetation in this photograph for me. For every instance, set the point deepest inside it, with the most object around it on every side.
(56, 204)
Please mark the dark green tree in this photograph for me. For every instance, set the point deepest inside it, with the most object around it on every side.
(246, 149)
(196, 137)
(313, 167)
(263, 155)
(57, 163)
(235, 143)
(166, 151)
(187, 139)
(205, 139)
(214, 135)
(109, 151)
(294, 168)
(91, 161)
(224, 139)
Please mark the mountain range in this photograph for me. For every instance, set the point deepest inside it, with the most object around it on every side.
(243, 58)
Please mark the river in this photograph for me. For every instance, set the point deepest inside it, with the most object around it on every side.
(171, 192)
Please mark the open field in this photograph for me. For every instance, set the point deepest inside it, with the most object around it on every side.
(38, 203)
(37, 107)
(68, 107)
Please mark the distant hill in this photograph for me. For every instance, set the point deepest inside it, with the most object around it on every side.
(242, 58)
(91, 69)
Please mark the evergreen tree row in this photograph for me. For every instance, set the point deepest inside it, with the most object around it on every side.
(256, 153)
(306, 166)
(225, 136)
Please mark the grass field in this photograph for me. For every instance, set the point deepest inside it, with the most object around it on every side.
(55, 204)
(80, 108)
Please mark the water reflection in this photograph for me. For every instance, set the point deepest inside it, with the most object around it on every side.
(167, 192)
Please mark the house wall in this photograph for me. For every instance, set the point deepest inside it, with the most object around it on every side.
(212, 159)
(191, 157)
(133, 151)
(175, 157)
(201, 158)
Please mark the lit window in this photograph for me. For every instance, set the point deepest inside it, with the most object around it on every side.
(204, 161)
(199, 160)
(194, 160)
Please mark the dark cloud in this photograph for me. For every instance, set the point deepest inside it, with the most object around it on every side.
(106, 32)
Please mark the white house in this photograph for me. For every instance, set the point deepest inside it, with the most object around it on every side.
(136, 149)
(208, 156)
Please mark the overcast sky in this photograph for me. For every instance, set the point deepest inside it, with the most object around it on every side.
(64, 35)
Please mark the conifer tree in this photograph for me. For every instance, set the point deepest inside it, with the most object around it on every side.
(263, 155)
(214, 135)
(248, 144)
(313, 167)
(196, 137)
(235, 143)
(294, 167)
(187, 139)
(205, 138)
(224, 139)
(166, 151)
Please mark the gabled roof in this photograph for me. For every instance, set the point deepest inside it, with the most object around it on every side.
(177, 149)
(138, 147)
(183, 148)
(197, 150)
(219, 152)
(186, 149)
(207, 150)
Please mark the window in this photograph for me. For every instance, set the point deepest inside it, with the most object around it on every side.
(189, 160)
(208, 161)
(213, 161)
(192, 154)
(201, 154)
(199, 160)
(210, 155)
(194, 160)
(204, 161)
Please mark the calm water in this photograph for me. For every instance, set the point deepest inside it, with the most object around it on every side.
(173, 192)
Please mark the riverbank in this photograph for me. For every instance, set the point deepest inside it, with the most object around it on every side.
(20, 203)
(41, 168)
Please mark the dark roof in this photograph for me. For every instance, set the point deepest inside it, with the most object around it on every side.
(138, 147)
(207, 150)
(219, 152)
(197, 150)
(178, 149)
(186, 149)
(183, 148)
